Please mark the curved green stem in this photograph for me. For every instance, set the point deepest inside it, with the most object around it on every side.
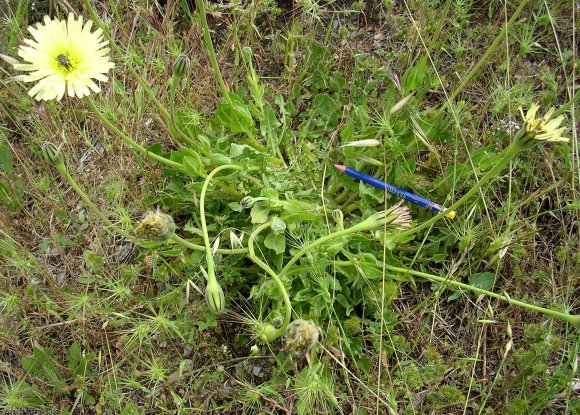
(287, 304)
(129, 66)
(509, 153)
(313, 245)
(208, 254)
(195, 247)
(210, 50)
(132, 143)
(572, 319)
(174, 238)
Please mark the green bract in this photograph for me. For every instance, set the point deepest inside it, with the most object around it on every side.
(214, 296)
(181, 66)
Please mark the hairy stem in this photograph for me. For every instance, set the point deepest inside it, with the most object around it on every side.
(287, 304)
(510, 153)
(210, 50)
(208, 253)
(132, 143)
(572, 319)
(488, 53)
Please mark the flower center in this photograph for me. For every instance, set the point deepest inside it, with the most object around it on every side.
(64, 62)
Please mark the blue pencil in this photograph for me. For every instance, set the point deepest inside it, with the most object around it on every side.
(410, 197)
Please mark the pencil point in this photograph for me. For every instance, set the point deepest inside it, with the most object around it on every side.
(340, 167)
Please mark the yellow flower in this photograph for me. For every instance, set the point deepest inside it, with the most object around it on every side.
(542, 129)
(64, 56)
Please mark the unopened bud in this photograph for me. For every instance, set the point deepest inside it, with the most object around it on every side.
(338, 218)
(247, 202)
(156, 226)
(247, 53)
(396, 217)
(52, 154)
(400, 104)
(214, 296)
(371, 142)
(181, 66)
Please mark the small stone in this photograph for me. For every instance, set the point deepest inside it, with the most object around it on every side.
(61, 277)
(187, 350)
(256, 370)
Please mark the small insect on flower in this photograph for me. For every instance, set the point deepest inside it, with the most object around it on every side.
(63, 56)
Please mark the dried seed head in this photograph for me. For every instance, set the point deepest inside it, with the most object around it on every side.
(301, 336)
(156, 226)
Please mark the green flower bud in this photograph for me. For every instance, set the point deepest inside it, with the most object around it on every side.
(301, 336)
(247, 202)
(264, 332)
(338, 218)
(214, 296)
(247, 53)
(396, 217)
(156, 226)
(52, 154)
(181, 66)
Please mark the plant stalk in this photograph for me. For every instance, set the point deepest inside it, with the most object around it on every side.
(208, 253)
(510, 153)
(132, 143)
(488, 53)
(210, 50)
(572, 319)
(287, 304)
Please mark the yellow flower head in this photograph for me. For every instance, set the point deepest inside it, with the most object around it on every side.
(63, 56)
(542, 129)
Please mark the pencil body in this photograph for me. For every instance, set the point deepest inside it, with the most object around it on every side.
(413, 198)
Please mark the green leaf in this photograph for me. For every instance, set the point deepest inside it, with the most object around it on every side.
(235, 116)
(236, 150)
(5, 154)
(260, 211)
(193, 165)
(278, 225)
(484, 280)
(94, 262)
(74, 356)
(220, 159)
(235, 206)
(269, 125)
(210, 321)
(276, 242)
(413, 76)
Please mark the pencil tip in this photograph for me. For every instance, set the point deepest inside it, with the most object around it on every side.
(340, 167)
